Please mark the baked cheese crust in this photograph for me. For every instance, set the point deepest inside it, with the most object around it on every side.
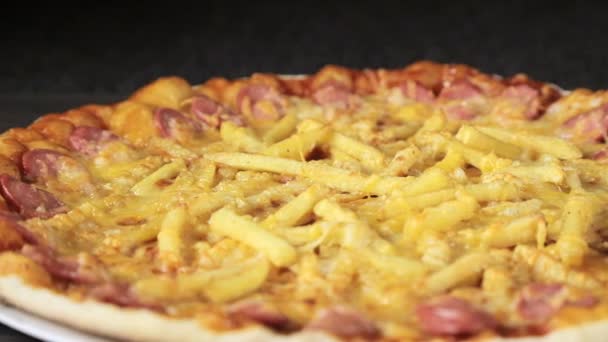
(433, 201)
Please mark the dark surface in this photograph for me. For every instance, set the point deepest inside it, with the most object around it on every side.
(52, 59)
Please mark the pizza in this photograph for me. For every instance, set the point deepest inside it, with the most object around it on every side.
(432, 202)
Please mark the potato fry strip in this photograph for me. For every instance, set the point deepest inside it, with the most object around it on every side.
(466, 268)
(281, 130)
(294, 211)
(369, 156)
(576, 220)
(544, 144)
(227, 222)
(240, 137)
(472, 137)
(149, 185)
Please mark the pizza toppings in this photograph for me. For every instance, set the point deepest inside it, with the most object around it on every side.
(334, 94)
(259, 312)
(56, 170)
(452, 316)
(524, 96)
(41, 164)
(90, 140)
(460, 100)
(29, 200)
(538, 302)
(459, 91)
(589, 126)
(417, 92)
(344, 322)
(10, 222)
(212, 113)
(121, 295)
(601, 156)
(261, 102)
(338, 243)
(175, 125)
(11, 237)
(79, 270)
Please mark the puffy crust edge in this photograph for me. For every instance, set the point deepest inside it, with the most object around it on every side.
(141, 325)
(171, 90)
(129, 324)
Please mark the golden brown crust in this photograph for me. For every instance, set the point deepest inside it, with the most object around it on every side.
(12, 263)
(172, 91)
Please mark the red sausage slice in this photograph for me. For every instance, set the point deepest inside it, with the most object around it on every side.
(344, 322)
(212, 113)
(601, 156)
(538, 302)
(415, 91)
(592, 126)
(29, 200)
(259, 312)
(121, 295)
(459, 91)
(174, 125)
(526, 96)
(461, 94)
(452, 316)
(336, 95)
(90, 140)
(62, 268)
(261, 100)
(40, 164)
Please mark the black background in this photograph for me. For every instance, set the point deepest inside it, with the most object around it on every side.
(57, 57)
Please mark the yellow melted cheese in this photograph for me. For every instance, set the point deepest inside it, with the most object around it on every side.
(402, 205)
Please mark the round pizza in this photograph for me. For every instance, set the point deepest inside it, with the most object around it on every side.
(432, 202)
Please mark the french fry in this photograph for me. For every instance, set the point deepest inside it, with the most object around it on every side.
(369, 156)
(576, 220)
(430, 180)
(451, 161)
(547, 269)
(523, 230)
(281, 129)
(298, 145)
(294, 211)
(442, 217)
(257, 162)
(224, 289)
(549, 172)
(226, 222)
(544, 144)
(149, 186)
(219, 285)
(403, 161)
(171, 245)
(332, 211)
(206, 177)
(401, 267)
(464, 269)
(482, 192)
(170, 148)
(318, 172)
(240, 137)
(472, 137)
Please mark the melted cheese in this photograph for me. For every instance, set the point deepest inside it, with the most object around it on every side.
(380, 221)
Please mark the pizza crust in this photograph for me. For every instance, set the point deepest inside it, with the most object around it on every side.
(128, 324)
(141, 325)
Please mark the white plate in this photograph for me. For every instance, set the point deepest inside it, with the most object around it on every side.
(42, 329)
